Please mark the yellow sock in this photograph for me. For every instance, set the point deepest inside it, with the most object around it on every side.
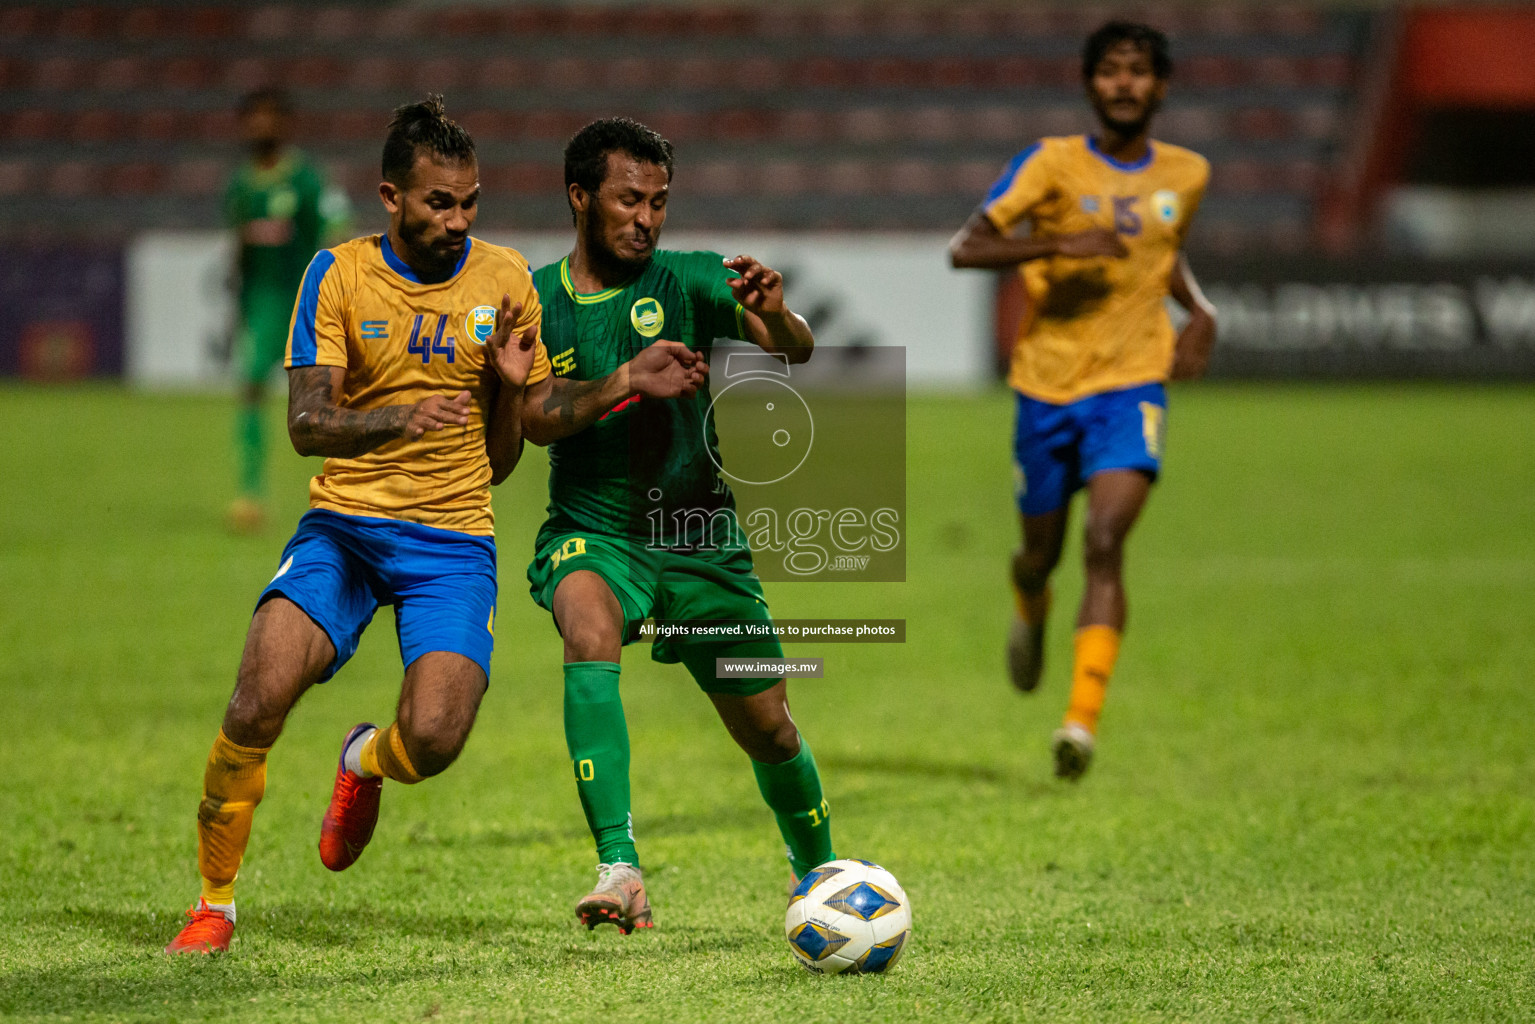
(1097, 649)
(233, 784)
(383, 753)
(1032, 608)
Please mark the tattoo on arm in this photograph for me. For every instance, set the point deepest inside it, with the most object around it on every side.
(565, 394)
(318, 426)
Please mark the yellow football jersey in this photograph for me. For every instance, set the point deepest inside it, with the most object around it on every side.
(401, 341)
(1097, 324)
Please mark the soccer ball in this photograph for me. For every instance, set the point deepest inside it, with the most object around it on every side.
(848, 915)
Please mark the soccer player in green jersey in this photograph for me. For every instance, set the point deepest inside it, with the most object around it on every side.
(282, 212)
(617, 463)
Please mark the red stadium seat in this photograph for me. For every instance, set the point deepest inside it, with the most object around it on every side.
(761, 73)
(807, 126)
(246, 73)
(1319, 121)
(994, 123)
(1239, 176)
(134, 179)
(785, 178)
(680, 126)
(72, 179)
(58, 74)
(934, 123)
(98, 126)
(524, 177)
(699, 74)
(269, 23)
(870, 124)
(849, 177)
(203, 177)
(974, 177)
(825, 73)
(340, 23)
(21, 22)
(1262, 123)
(35, 124)
(398, 22)
(16, 177)
(714, 178)
(440, 74)
(314, 72)
(374, 73)
(213, 22)
(1191, 125)
(188, 72)
(120, 74)
(148, 23)
(84, 22)
(631, 74)
(916, 178)
(159, 126)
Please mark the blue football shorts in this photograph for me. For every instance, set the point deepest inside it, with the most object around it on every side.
(442, 583)
(1057, 448)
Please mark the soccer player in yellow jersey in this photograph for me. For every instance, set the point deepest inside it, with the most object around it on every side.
(1106, 217)
(408, 357)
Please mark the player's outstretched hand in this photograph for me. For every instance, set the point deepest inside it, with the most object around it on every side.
(666, 369)
(512, 354)
(759, 288)
(1092, 242)
(437, 412)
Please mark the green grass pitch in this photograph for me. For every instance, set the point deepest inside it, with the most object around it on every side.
(1311, 799)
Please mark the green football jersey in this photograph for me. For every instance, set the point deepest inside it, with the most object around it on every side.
(281, 214)
(645, 458)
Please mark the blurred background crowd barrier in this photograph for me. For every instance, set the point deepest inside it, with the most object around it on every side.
(1371, 210)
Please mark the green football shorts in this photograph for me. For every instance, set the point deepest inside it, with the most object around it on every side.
(264, 318)
(718, 585)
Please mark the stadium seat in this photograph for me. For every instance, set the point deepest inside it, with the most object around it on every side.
(818, 108)
(198, 177)
(16, 178)
(72, 179)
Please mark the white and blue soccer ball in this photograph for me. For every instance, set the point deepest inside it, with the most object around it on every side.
(848, 916)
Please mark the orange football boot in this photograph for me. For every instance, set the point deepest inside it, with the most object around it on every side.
(206, 931)
(352, 813)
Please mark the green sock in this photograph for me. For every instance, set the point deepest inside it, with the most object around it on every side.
(250, 451)
(793, 790)
(598, 740)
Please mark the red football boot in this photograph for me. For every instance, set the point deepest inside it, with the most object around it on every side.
(352, 813)
(206, 931)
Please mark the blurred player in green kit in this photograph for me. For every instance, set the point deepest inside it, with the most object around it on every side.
(280, 208)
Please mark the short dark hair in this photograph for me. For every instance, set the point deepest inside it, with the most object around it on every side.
(586, 154)
(423, 125)
(1112, 34)
(272, 96)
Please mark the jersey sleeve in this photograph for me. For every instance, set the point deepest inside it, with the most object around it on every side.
(533, 316)
(1024, 184)
(707, 280)
(317, 333)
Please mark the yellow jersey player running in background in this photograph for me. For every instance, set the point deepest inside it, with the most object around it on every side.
(1106, 218)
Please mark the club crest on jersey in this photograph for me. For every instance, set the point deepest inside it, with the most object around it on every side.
(1165, 202)
(480, 324)
(647, 317)
(1089, 204)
